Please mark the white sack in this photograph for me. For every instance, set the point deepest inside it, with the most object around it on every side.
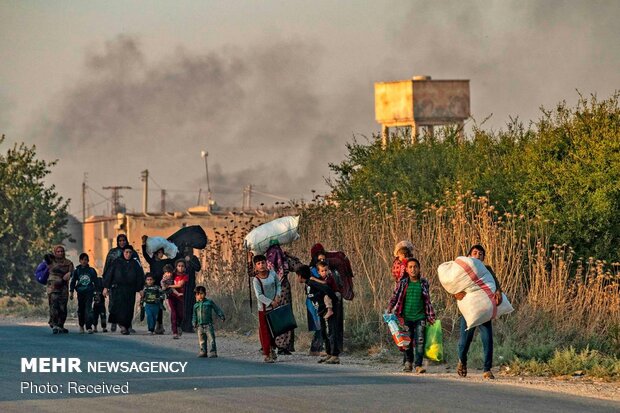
(155, 243)
(283, 230)
(477, 308)
(478, 305)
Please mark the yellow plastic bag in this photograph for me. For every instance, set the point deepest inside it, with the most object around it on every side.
(433, 344)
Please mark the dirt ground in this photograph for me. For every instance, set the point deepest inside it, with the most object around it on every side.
(246, 347)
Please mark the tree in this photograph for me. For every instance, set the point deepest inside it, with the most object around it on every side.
(564, 168)
(32, 219)
(573, 175)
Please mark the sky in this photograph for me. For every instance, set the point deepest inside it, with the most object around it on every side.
(272, 90)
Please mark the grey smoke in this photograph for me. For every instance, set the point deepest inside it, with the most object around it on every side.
(255, 110)
(276, 111)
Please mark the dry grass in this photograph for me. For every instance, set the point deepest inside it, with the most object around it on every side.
(539, 278)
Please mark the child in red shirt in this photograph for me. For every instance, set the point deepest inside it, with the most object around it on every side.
(176, 301)
(402, 252)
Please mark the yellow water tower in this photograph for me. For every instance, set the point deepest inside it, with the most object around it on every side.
(421, 102)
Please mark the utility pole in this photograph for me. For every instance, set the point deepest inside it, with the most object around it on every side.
(163, 201)
(84, 198)
(205, 155)
(144, 177)
(116, 196)
(247, 197)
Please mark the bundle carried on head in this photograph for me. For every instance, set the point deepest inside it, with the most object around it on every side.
(282, 231)
(471, 276)
(154, 244)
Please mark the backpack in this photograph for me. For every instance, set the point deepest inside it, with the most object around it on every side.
(339, 261)
(42, 273)
(84, 282)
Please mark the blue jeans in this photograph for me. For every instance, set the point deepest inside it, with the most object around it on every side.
(417, 330)
(151, 311)
(486, 334)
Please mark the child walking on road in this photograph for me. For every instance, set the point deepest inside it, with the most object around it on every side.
(84, 281)
(176, 300)
(153, 299)
(412, 302)
(202, 320)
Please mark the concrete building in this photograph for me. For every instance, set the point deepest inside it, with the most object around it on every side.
(100, 232)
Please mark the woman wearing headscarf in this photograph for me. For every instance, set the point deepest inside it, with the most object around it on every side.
(192, 266)
(113, 254)
(278, 261)
(125, 278)
(60, 271)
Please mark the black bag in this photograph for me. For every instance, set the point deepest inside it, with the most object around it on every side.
(280, 320)
(193, 236)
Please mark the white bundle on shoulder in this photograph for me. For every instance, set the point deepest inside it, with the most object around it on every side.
(472, 276)
(155, 243)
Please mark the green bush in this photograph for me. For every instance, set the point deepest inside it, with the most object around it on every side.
(564, 168)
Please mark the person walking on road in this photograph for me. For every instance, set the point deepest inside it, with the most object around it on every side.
(176, 300)
(60, 271)
(113, 254)
(486, 329)
(411, 301)
(84, 281)
(202, 320)
(267, 290)
(156, 268)
(124, 279)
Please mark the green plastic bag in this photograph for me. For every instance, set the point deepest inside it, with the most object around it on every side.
(433, 344)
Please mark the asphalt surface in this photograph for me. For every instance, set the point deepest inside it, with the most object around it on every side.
(234, 385)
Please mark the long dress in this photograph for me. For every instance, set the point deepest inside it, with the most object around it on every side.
(124, 280)
(278, 262)
(192, 267)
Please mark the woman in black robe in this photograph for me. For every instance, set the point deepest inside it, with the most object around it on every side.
(113, 254)
(124, 280)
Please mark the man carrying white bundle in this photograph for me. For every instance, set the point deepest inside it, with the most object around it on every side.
(486, 329)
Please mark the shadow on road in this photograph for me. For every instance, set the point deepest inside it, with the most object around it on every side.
(20, 342)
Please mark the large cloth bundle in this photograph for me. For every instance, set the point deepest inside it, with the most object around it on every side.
(155, 243)
(282, 231)
(399, 333)
(470, 275)
(192, 236)
(339, 261)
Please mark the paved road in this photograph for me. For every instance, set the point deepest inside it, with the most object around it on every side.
(233, 385)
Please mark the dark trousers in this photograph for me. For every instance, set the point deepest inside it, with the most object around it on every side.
(417, 330)
(317, 342)
(329, 331)
(486, 335)
(340, 323)
(85, 309)
(58, 308)
(99, 312)
(176, 314)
